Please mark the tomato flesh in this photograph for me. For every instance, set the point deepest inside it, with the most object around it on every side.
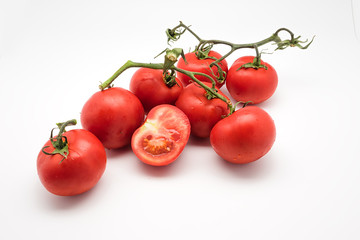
(162, 137)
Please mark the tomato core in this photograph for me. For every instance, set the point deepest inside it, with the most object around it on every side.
(157, 145)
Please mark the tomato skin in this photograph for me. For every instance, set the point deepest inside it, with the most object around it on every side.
(162, 137)
(249, 84)
(202, 112)
(80, 171)
(145, 81)
(201, 65)
(112, 115)
(244, 136)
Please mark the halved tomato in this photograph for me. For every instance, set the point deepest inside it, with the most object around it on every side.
(162, 137)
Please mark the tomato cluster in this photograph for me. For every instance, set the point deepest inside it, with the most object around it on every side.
(177, 101)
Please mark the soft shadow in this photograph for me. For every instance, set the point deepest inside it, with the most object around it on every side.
(197, 141)
(117, 153)
(257, 169)
(161, 171)
(61, 203)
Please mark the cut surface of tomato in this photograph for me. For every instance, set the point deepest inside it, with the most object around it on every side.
(162, 137)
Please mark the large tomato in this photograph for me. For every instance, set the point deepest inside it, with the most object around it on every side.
(250, 84)
(79, 171)
(194, 64)
(244, 136)
(150, 87)
(202, 112)
(162, 137)
(112, 115)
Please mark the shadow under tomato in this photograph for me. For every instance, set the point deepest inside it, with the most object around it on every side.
(197, 141)
(118, 153)
(160, 171)
(257, 169)
(56, 202)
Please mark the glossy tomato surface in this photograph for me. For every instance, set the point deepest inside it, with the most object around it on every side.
(113, 115)
(203, 66)
(202, 112)
(244, 136)
(162, 137)
(249, 84)
(149, 86)
(77, 173)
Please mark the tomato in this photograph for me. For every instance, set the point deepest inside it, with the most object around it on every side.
(113, 115)
(79, 171)
(203, 66)
(162, 137)
(150, 87)
(202, 112)
(244, 136)
(249, 84)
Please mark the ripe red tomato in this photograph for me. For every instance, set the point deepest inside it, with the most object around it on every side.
(112, 115)
(149, 86)
(244, 136)
(201, 65)
(162, 137)
(249, 84)
(77, 173)
(202, 112)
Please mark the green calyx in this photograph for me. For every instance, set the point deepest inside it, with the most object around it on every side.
(256, 64)
(169, 78)
(60, 142)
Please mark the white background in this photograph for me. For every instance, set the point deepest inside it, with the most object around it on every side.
(53, 54)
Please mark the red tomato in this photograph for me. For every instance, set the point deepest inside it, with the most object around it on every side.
(249, 84)
(162, 137)
(244, 136)
(202, 112)
(113, 115)
(149, 86)
(201, 65)
(77, 173)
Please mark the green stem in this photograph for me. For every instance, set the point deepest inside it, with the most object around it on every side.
(273, 38)
(211, 90)
(127, 65)
(59, 143)
(60, 146)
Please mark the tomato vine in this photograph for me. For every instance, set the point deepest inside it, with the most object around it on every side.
(202, 49)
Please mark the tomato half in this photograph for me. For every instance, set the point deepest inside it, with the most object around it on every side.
(249, 84)
(149, 86)
(80, 171)
(194, 64)
(244, 136)
(202, 112)
(162, 137)
(113, 115)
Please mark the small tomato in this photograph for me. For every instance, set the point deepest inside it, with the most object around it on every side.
(244, 136)
(249, 84)
(112, 115)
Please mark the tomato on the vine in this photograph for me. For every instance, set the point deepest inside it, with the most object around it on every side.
(250, 84)
(150, 86)
(112, 115)
(162, 137)
(78, 170)
(244, 136)
(194, 64)
(202, 112)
